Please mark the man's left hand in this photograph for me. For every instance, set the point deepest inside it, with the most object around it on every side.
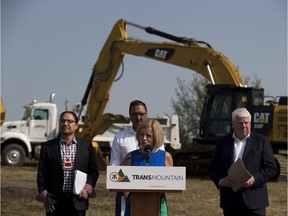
(249, 183)
(83, 194)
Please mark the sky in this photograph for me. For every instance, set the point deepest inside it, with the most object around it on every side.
(51, 46)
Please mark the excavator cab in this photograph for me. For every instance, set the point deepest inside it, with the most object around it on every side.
(268, 119)
(219, 103)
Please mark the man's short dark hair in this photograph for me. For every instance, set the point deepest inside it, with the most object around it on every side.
(72, 113)
(137, 103)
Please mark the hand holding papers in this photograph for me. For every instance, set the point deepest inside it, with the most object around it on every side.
(79, 181)
(239, 174)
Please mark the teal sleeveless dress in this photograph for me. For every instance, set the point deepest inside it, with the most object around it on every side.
(156, 159)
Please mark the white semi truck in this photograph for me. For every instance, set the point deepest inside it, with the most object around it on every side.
(22, 139)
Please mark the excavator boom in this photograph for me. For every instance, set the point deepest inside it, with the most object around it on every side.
(98, 89)
(184, 52)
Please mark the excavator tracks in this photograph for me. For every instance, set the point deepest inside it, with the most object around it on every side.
(282, 159)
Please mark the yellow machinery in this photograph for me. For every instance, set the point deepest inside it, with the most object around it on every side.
(226, 92)
(197, 56)
(2, 111)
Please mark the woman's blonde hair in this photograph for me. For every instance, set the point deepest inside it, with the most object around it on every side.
(158, 136)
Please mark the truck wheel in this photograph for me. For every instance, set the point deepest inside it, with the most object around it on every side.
(13, 155)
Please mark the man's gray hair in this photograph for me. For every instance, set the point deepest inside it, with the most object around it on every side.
(241, 112)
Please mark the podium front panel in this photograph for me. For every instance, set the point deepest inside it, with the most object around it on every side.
(146, 178)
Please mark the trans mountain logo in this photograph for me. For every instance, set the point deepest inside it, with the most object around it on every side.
(119, 177)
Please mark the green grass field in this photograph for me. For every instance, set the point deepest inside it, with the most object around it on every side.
(18, 192)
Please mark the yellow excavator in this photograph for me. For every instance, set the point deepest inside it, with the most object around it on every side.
(184, 52)
(2, 111)
(227, 84)
(226, 92)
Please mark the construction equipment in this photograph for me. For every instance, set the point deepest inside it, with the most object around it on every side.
(191, 54)
(269, 117)
(199, 56)
(2, 111)
(22, 139)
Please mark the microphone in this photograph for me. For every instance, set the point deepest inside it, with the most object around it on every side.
(148, 151)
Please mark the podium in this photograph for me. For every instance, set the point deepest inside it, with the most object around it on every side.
(146, 185)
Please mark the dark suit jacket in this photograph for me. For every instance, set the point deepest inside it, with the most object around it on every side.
(50, 172)
(259, 161)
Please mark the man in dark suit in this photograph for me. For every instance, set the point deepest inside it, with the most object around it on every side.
(256, 153)
(59, 158)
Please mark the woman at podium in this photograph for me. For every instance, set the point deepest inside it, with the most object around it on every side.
(150, 137)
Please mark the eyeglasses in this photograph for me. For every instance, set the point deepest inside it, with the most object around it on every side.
(136, 114)
(69, 121)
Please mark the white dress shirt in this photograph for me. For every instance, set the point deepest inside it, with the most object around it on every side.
(239, 146)
(123, 143)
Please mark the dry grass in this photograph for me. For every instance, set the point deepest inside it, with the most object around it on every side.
(18, 191)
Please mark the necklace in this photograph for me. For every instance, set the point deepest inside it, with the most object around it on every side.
(67, 152)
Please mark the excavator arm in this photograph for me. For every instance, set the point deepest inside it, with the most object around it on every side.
(184, 52)
(188, 53)
(100, 83)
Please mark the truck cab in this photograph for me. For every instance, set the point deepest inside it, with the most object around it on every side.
(20, 139)
(41, 122)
